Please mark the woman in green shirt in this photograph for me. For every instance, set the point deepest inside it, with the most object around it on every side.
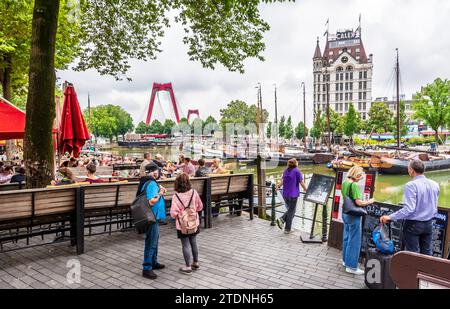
(351, 245)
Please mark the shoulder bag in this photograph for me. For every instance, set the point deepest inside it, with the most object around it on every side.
(350, 207)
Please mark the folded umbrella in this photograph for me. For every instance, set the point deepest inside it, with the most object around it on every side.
(73, 130)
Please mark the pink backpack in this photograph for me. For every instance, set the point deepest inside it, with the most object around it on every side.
(188, 217)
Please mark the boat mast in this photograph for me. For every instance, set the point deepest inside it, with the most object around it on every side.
(276, 116)
(398, 100)
(304, 115)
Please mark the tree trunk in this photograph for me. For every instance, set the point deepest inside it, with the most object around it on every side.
(7, 94)
(38, 142)
(6, 79)
(436, 135)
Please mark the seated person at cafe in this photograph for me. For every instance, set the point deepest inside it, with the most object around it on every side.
(217, 167)
(6, 173)
(91, 168)
(19, 177)
(159, 160)
(188, 167)
(202, 170)
(65, 177)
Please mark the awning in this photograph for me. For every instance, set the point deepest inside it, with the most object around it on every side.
(12, 121)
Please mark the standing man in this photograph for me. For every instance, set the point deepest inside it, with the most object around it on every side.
(147, 159)
(420, 206)
(154, 194)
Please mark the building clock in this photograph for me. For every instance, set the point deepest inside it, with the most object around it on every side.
(344, 59)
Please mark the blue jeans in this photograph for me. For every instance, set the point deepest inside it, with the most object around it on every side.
(351, 245)
(417, 236)
(151, 246)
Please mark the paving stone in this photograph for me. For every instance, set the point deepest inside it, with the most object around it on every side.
(235, 253)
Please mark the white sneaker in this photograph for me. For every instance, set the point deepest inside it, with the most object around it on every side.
(358, 271)
(343, 263)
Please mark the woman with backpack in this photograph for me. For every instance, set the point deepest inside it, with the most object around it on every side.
(186, 204)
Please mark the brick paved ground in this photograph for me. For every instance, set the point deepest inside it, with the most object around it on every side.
(235, 253)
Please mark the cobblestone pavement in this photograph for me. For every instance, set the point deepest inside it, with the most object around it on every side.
(235, 253)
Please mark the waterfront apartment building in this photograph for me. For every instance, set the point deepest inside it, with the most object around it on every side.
(393, 105)
(344, 73)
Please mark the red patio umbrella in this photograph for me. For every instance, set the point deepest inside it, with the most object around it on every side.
(73, 131)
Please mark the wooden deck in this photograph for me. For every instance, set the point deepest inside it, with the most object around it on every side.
(235, 253)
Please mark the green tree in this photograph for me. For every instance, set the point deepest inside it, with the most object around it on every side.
(123, 120)
(431, 104)
(282, 127)
(289, 129)
(103, 124)
(300, 131)
(156, 127)
(403, 121)
(113, 32)
(168, 126)
(142, 128)
(317, 129)
(15, 44)
(238, 112)
(269, 130)
(351, 122)
(380, 118)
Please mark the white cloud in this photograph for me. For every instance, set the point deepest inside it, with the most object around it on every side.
(418, 28)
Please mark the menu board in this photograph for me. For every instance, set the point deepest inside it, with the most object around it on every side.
(372, 220)
(440, 223)
(366, 185)
(319, 189)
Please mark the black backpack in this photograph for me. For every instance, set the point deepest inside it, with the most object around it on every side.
(141, 211)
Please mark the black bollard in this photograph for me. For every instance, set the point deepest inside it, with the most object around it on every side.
(272, 214)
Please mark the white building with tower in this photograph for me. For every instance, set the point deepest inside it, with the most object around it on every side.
(343, 74)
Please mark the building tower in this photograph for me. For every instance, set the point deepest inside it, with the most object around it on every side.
(349, 71)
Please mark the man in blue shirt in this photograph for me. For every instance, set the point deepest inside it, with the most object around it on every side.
(154, 194)
(420, 207)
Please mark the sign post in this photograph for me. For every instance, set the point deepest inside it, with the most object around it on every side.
(319, 190)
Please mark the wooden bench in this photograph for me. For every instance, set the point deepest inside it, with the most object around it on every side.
(417, 271)
(109, 204)
(25, 214)
(12, 186)
(101, 170)
(233, 190)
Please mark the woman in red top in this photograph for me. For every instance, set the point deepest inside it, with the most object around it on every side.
(186, 197)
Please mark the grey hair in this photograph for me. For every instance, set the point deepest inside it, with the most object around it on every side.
(417, 166)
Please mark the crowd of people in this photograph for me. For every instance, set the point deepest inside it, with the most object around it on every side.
(420, 202)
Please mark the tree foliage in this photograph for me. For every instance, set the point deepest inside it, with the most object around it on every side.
(289, 129)
(351, 122)
(109, 121)
(380, 118)
(300, 131)
(432, 104)
(15, 44)
(238, 112)
(282, 127)
(215, 32)
(317, 129)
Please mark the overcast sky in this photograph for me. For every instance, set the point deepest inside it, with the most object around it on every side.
(418, 28)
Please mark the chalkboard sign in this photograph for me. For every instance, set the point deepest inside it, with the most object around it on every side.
(372, 220)
(319, 189)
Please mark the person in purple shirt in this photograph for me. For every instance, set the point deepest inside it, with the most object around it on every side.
(420, 206)
(292, 179)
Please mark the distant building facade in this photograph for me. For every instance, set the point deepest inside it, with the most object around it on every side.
(392, 104)
(346, 70)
